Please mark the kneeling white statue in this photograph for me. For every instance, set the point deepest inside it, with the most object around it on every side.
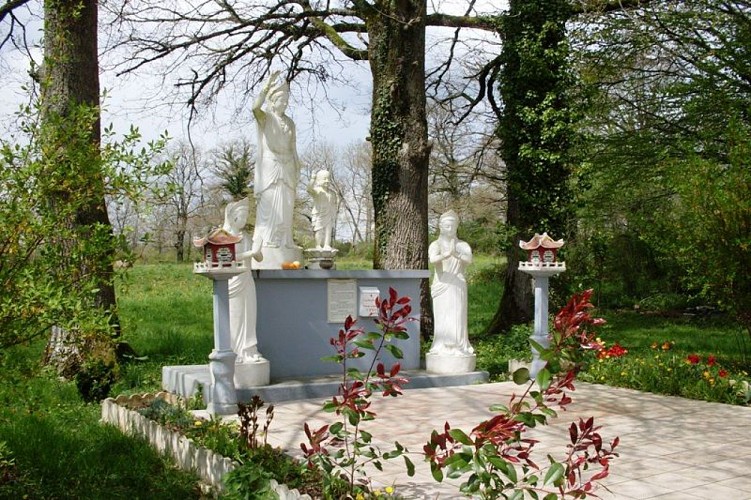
(451, 351)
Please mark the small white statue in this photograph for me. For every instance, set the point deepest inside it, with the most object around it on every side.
(325, 201)
(450, 256)
(242, 288)
(277, 169)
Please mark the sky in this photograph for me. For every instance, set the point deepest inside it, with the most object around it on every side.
(138, 100)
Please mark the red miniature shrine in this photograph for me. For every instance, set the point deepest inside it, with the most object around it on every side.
(541, 249)
(218, 248)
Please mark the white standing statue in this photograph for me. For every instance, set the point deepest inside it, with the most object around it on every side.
(325, 201)
(451, 351)
(276, 174)
(242, 288)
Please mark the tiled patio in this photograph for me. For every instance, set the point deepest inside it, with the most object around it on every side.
(671, 448)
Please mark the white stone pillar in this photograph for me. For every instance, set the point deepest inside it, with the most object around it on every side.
(222, 394)
(541, 273)
(540, 334)
(222, 358)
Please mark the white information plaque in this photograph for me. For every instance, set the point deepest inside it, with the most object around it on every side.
(368, 296)
(342, 300)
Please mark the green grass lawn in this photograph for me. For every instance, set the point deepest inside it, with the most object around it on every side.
(659, 351)
(705, 336)
(166, 316)
(54, 446)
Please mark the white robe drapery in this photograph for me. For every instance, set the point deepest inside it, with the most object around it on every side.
(275, 182)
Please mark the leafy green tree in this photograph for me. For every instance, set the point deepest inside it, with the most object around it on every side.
(49, 269)
(60, 246)
(668, 137)
(710, 221)
(69, 83)
(234, 169)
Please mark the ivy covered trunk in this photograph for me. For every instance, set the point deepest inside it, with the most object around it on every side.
(399, 138)
(70, 142)
(399, 134)
(536, 132)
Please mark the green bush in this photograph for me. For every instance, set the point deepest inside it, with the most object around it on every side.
(663, 302)
(494, 352)
(259, 463)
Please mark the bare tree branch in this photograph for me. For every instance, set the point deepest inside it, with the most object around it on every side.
(8, 6)
(442, 69)
(584, 6)
(487, 23)
(9, 10)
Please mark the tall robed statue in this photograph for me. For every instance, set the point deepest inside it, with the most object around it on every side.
(451, 351)
(276, 174)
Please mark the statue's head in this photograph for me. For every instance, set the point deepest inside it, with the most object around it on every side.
(236, 215)
(279, 97)
(449, 222)
(323, 178)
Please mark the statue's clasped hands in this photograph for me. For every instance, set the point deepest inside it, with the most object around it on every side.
(451, 251)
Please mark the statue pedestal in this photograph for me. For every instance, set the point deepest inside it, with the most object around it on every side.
(274, 257)
(223, 398)
(252, 374)
(318, 258)
(450, 363)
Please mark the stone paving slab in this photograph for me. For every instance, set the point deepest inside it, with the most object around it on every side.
(671, 448)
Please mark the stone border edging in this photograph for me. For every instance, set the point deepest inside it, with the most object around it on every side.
(210, 467)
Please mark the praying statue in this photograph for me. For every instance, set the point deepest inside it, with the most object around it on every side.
(450, 256)
(325, 201)
(277, 168)
(242, 288)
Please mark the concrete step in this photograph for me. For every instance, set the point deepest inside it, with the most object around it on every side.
(186, 380)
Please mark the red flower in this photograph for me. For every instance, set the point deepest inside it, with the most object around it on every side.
(615, 351)
(693, 359)
(711, 360)
(722, 373)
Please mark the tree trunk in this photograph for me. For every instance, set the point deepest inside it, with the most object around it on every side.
(536, 136)
(399, 137)
(70, 81)
(180, 245)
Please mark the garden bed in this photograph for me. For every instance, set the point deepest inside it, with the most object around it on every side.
(211, 467)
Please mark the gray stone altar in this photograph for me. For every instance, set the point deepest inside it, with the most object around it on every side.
(300, 310)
